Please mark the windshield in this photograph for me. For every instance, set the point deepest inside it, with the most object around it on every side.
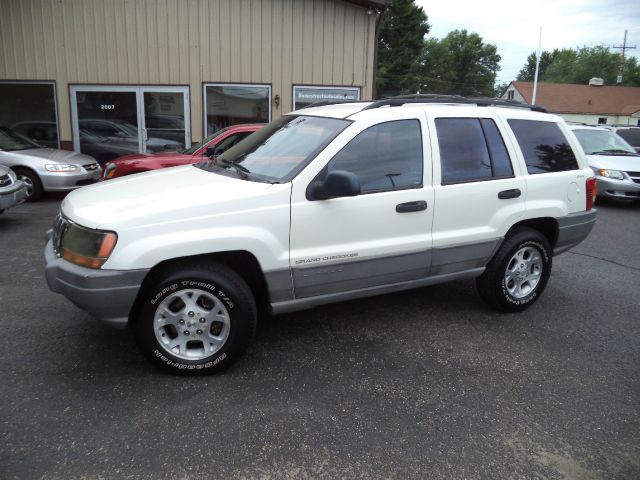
(602, 142)
(10, 140)
(194, 148)
(279, 150)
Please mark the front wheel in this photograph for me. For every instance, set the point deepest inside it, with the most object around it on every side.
(32, 182)
(518, 273)
(196, 320)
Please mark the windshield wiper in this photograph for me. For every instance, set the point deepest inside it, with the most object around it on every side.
(235, 164)
(615, 151)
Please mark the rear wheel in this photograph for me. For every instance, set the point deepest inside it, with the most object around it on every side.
(518, 273)
(32, 182)
(197, 319)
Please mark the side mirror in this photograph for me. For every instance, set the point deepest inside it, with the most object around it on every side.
(338, 183)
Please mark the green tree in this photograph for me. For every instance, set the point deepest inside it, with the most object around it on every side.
(461, 63)
(500, 88)
(529, 70)
(579, 65)
(400, 45)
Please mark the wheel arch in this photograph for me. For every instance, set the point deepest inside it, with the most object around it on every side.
(547, 226)
(242, 262)
(17, 168)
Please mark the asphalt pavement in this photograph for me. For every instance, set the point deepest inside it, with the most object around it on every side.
(428, 383)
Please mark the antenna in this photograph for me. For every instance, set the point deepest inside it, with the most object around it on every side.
(624, 48)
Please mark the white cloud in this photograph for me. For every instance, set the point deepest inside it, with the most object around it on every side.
(514, 25)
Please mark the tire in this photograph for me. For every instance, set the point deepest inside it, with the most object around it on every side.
(213, 305)
(33, 183)
(518, 273)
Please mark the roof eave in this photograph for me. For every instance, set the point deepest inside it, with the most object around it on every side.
(369, 3)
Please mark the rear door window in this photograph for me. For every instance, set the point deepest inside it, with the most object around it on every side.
(544, 146)
(471, 150)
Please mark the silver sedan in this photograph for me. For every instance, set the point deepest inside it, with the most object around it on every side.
(45, 169)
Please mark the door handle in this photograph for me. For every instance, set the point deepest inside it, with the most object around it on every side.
(513, 193)
(416, 206)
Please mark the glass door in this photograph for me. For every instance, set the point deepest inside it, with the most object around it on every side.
(164, 120)
(111, 121)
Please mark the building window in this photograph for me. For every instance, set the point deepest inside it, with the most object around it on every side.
(230, 104)
(602, 120)
(544, 146)
(29, 108)
(303, 96)
(510, 95)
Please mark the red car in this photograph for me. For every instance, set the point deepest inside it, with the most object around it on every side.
(214, 144)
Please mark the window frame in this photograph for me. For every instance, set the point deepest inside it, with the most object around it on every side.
(55, 98)
(564, 131)
(486, 144)
(321, 175)
(323, 87)
(225, 84)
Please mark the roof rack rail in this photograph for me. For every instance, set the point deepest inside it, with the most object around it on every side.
(325, 103)
(437, 98)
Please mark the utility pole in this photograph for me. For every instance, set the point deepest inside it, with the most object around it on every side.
(624, 48)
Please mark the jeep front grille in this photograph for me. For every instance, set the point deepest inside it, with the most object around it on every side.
(59, 228)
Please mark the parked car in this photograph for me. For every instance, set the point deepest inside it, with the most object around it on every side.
(631, 135)
(104, 149)
(44, 169)
(323, 205)
(12, 190)
(215, 144)
(42, 132)
(165, 127)
(615, 162)
(125, 133)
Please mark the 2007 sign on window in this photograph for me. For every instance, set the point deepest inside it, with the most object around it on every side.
(107, 107)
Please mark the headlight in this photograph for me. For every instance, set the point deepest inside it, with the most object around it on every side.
(109, 170)
(615, 174)
(86, 247)
(62, 167)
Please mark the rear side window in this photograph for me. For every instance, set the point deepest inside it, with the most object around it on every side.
(387, 156)
(631, 135)
(471, 150)
(544, 146)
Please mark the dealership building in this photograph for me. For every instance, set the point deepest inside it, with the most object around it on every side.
(109, 77)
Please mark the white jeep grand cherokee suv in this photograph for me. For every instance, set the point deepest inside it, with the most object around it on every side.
(323, 205)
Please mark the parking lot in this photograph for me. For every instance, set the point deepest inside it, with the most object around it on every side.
(423, 384)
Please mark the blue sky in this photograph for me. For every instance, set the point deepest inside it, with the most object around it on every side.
(514, 25)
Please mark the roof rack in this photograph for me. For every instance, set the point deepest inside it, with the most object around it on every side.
(325, 103)
(437, 98)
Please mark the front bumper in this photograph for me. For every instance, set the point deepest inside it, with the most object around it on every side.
(610, 188)
(63, 182)
(107, 295)
(13, 196)
(573, 229)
